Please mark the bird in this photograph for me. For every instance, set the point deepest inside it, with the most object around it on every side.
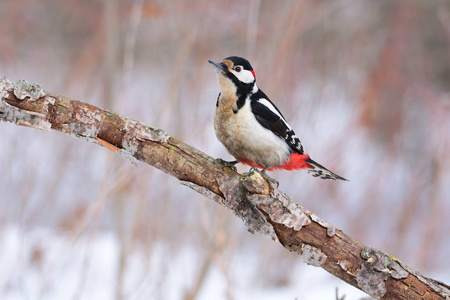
(252, 128)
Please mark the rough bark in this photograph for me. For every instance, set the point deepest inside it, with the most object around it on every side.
(261, 206)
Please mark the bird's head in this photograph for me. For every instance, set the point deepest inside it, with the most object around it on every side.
(235, 72)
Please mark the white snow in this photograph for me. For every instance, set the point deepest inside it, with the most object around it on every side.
(86, 268)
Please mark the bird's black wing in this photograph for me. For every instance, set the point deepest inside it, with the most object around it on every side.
(268, 115)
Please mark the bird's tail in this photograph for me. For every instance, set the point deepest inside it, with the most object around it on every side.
(318, 170)
(303, 161)
(298, 162)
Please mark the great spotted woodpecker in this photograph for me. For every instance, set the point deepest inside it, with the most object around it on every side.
(252, 128)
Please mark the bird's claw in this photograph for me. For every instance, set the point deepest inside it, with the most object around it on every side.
(263, 174)
(224, 164)
(272, 180)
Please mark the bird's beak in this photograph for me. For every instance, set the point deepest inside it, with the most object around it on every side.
(219, 66)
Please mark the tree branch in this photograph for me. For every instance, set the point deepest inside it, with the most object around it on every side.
(261, 206)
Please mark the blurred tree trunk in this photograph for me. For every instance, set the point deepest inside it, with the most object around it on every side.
(262, 207)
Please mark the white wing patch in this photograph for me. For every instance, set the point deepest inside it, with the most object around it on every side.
(270, 106)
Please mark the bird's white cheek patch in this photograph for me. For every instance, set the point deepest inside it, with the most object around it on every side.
(244, 76)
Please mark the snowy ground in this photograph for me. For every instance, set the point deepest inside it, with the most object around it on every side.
(39, 264)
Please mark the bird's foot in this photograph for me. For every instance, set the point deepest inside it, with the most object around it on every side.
(273, 180)
(264, 174)
(224, 164)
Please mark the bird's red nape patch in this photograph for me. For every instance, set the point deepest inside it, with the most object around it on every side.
(295, 162)
(253, 72)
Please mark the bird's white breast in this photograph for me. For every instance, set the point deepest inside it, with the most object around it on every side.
(245, 138)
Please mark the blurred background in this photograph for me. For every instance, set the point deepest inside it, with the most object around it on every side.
(365, 85)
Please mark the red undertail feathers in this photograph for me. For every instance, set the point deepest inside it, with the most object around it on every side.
(298, 162)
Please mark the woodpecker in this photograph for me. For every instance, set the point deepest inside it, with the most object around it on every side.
(252, 128)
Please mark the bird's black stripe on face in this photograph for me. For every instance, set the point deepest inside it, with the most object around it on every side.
(239, 103)
(242, 90)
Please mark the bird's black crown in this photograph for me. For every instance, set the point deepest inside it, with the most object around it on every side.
(239, 61)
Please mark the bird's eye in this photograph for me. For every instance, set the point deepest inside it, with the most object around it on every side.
(238, 69)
